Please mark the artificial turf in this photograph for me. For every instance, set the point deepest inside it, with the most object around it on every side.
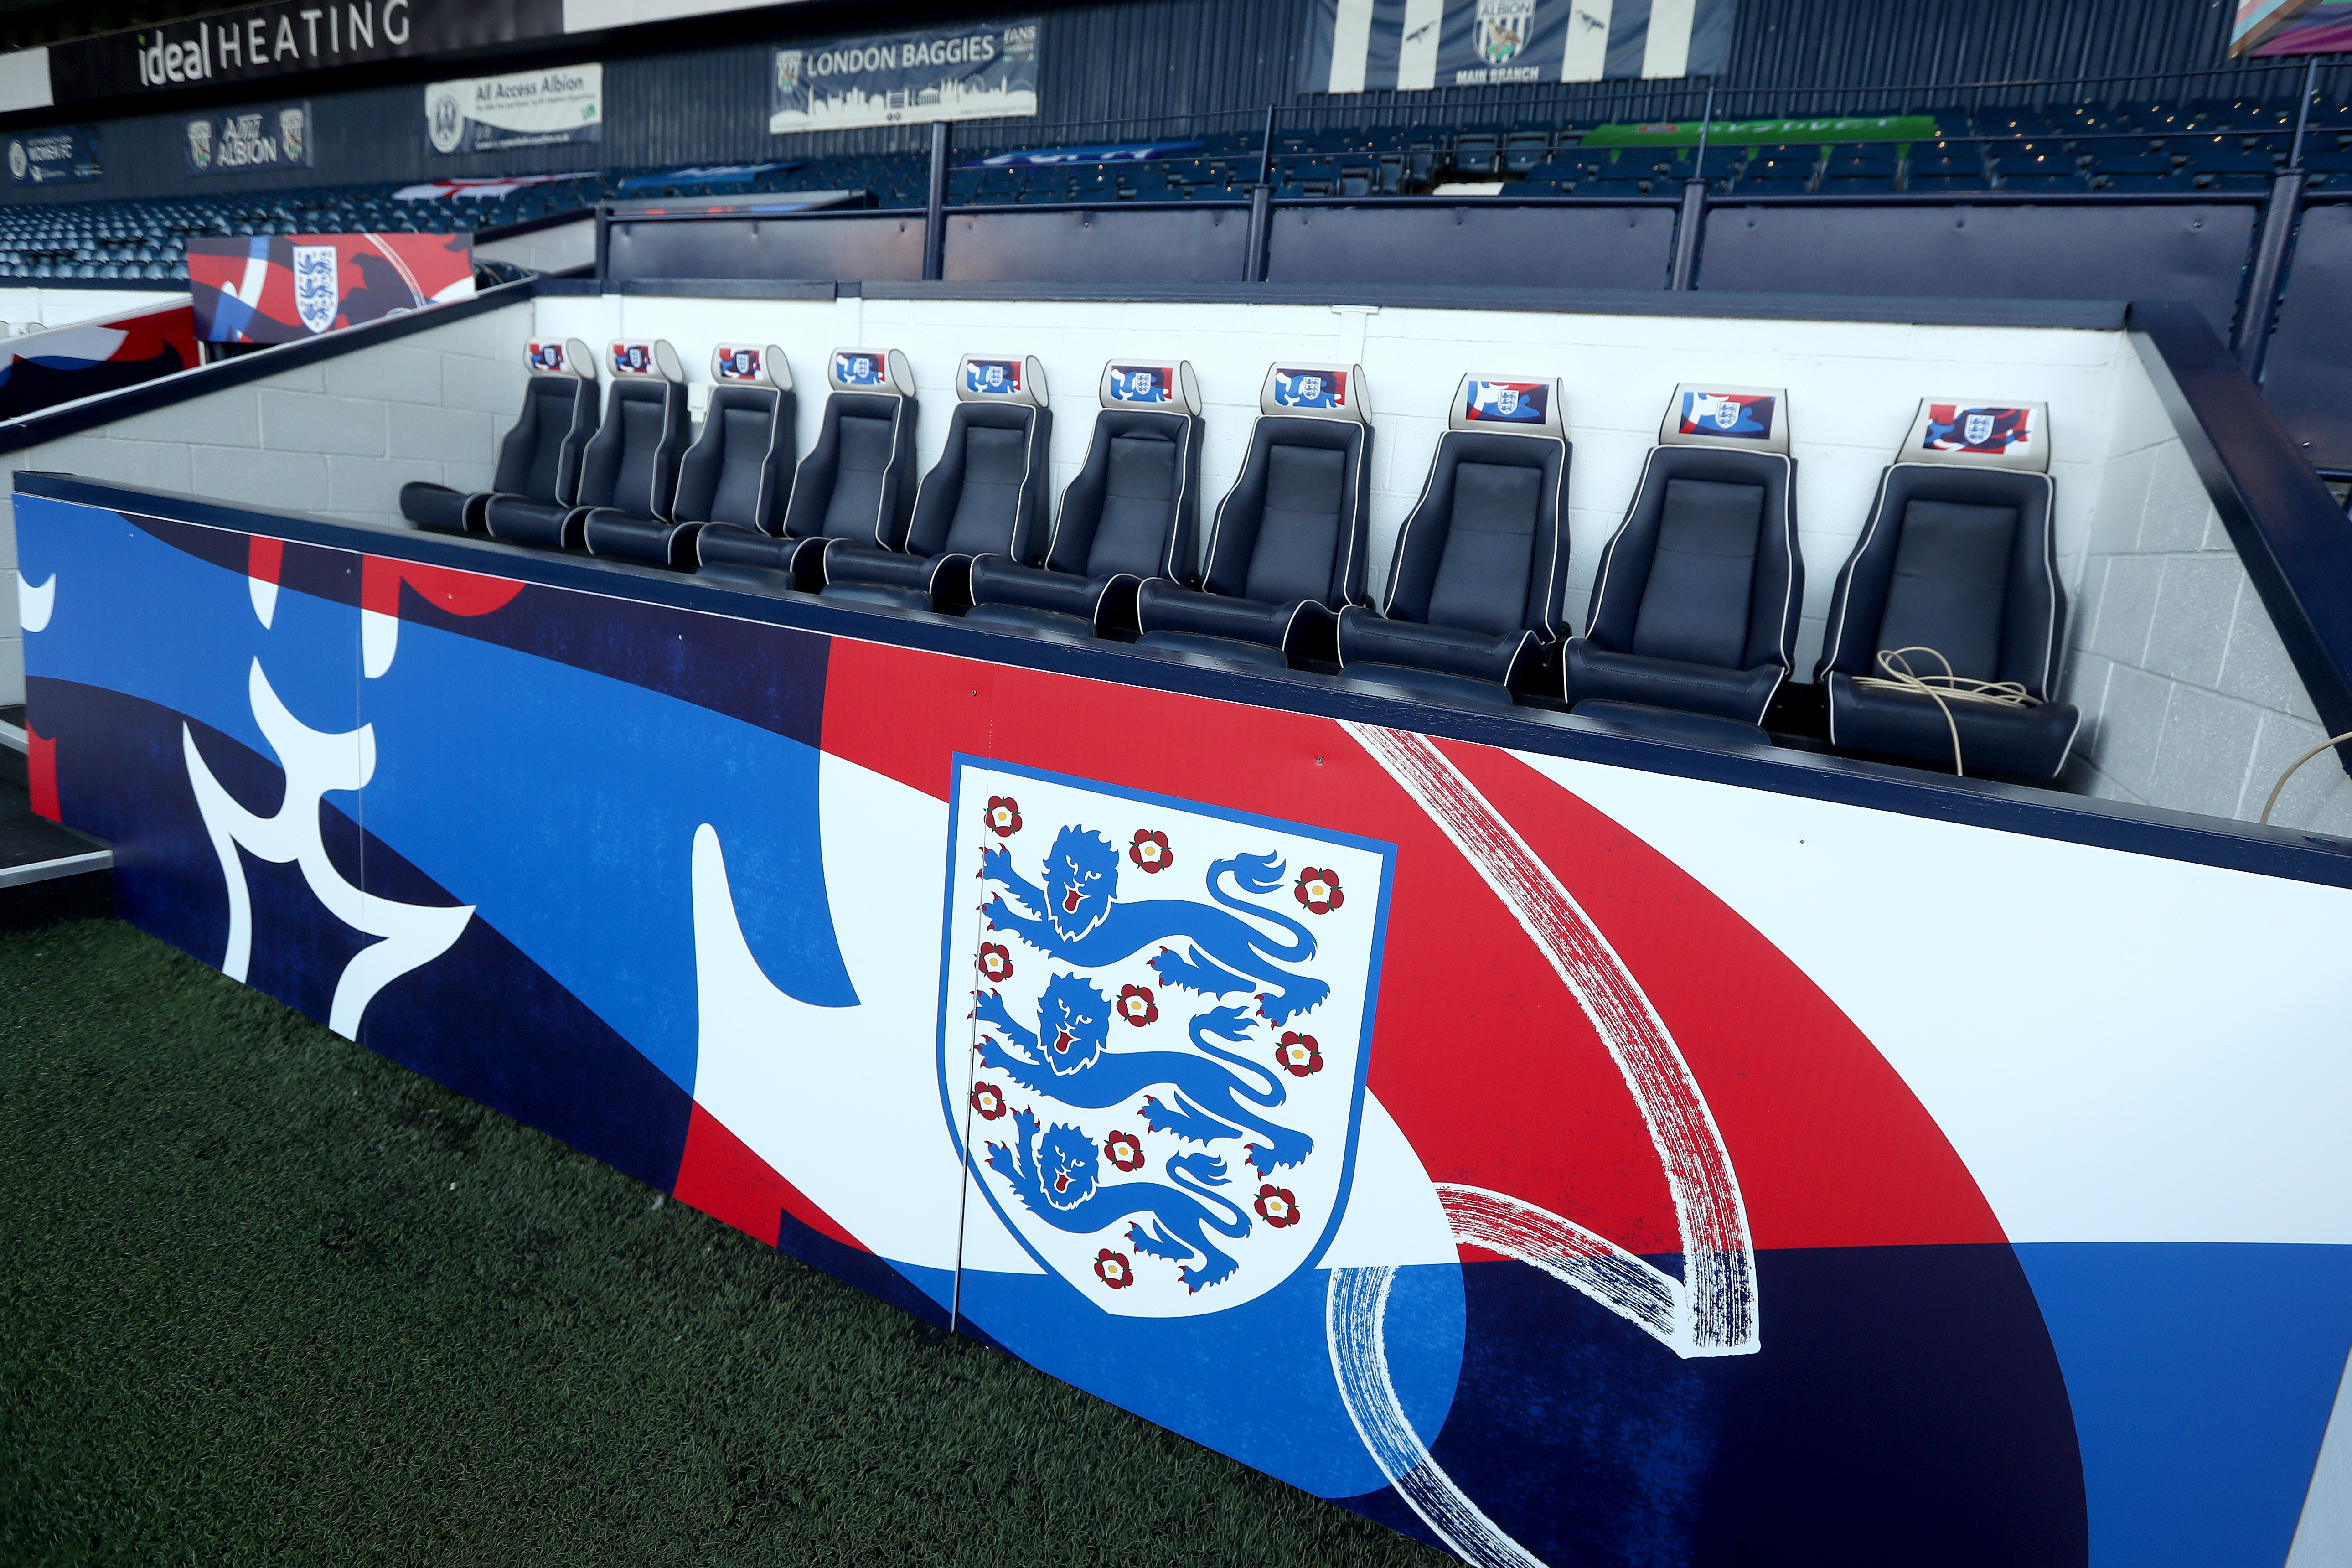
(265, 1297)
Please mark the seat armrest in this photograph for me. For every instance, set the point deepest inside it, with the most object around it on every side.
(1302, 627)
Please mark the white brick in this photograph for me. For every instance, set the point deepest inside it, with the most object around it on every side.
(281, 481)
(2126, 606)
(2190, 627)
(311, 422)
(12, 672)
(372, 485)
(2319, 796)
(2257, 667)
(230, 417)
(395, 373)
(2178, 505)
(440, 435)
(2201, 762)
(160, 464)
(2130, 725)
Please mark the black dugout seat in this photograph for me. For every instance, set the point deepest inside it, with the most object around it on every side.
(1696, 595)
(1130, 514)
(855, 483)
(986, 495)
(629, 466)
(1957, 556)
(731, 474)
(1473, 602)
(539, 459)
(1287, 552)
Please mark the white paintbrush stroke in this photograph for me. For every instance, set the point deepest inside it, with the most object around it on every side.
(1712, 1310)
(263, 590)
(315, 763)
(34, 605)
(379, 640)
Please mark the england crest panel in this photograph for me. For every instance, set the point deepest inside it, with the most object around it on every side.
(1153, 1032)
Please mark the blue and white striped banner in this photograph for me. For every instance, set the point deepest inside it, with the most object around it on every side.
(1412, 46)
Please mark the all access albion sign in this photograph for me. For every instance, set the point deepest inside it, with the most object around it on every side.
(265, 41)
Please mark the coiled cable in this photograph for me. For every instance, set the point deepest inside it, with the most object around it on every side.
(1945, 690)
(2276, 788)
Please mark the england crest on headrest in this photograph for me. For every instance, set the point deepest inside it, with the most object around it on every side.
(1169, 386)
(570, 358)
(1980, 434)
(1323, 391)
(651, 358)
(1155, 1030)
(870, 369)
(1509, 404)
(750, 364)
(1751, 417)
(1007, 378)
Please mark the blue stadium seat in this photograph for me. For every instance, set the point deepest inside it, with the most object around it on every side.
(1956, 555)
(539, 459)
(1286, 553)
(853, 484)
(730, 475)
(628, 468)
(2038, 172)
(1129, 516)
(1697, 598)
(1473, 602)
(987, 495)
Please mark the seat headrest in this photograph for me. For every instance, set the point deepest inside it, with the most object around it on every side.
(643, 360)
(883, 371)
(1506, 405)
(983, 378)
(1980, 434)
(1168, 387)
(750, 364)
(1317, 391)
(1745, 418)
(570, 357)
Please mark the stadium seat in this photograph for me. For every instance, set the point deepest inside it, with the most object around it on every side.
(1955, 556)
(987, 495)
(1945, 166)
(539, 460)
(731, 472)
(2038, 172)
(854, 483)
(629, 466)
(1864, 169)
(1129, 516)
(1696, 601)
(1473, 602)
(1287, 552)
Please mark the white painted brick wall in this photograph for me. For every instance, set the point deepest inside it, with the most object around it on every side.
(337, 438)
(2188, 699)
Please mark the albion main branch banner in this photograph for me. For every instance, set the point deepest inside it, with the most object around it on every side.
(1368, 46)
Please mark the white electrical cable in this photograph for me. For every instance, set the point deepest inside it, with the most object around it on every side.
(2276, 788)
(1943, 689)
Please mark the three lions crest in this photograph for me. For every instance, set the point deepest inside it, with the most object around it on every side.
(1153, 1030)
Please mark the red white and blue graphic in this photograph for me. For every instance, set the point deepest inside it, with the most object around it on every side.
(859, 370)
(992, 377)
(1151, 383)
(740, 363)
(1990, 432)
(1139, 1020)
(1740, 415)
(285, 287)
(631, 359)
(1507, 401)
(105, 355)
(546, 357)
(1310, 388)
(1531, 1154)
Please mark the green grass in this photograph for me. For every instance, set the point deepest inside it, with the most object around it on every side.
(264, 1297)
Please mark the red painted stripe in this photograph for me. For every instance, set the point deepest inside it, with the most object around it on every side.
(722, 1177)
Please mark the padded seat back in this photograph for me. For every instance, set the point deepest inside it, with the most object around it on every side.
(1704, 570)
(732, 471)
(1293, 525)
(630, 463)
(986, 494)
(1958, 554)
(1484, 549)
(855, 481)
(540, 457)
(1135, 504)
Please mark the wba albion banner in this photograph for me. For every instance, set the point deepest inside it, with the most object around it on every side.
(1412, 46)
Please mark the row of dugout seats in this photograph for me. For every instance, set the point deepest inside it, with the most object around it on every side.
(1690, 628)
